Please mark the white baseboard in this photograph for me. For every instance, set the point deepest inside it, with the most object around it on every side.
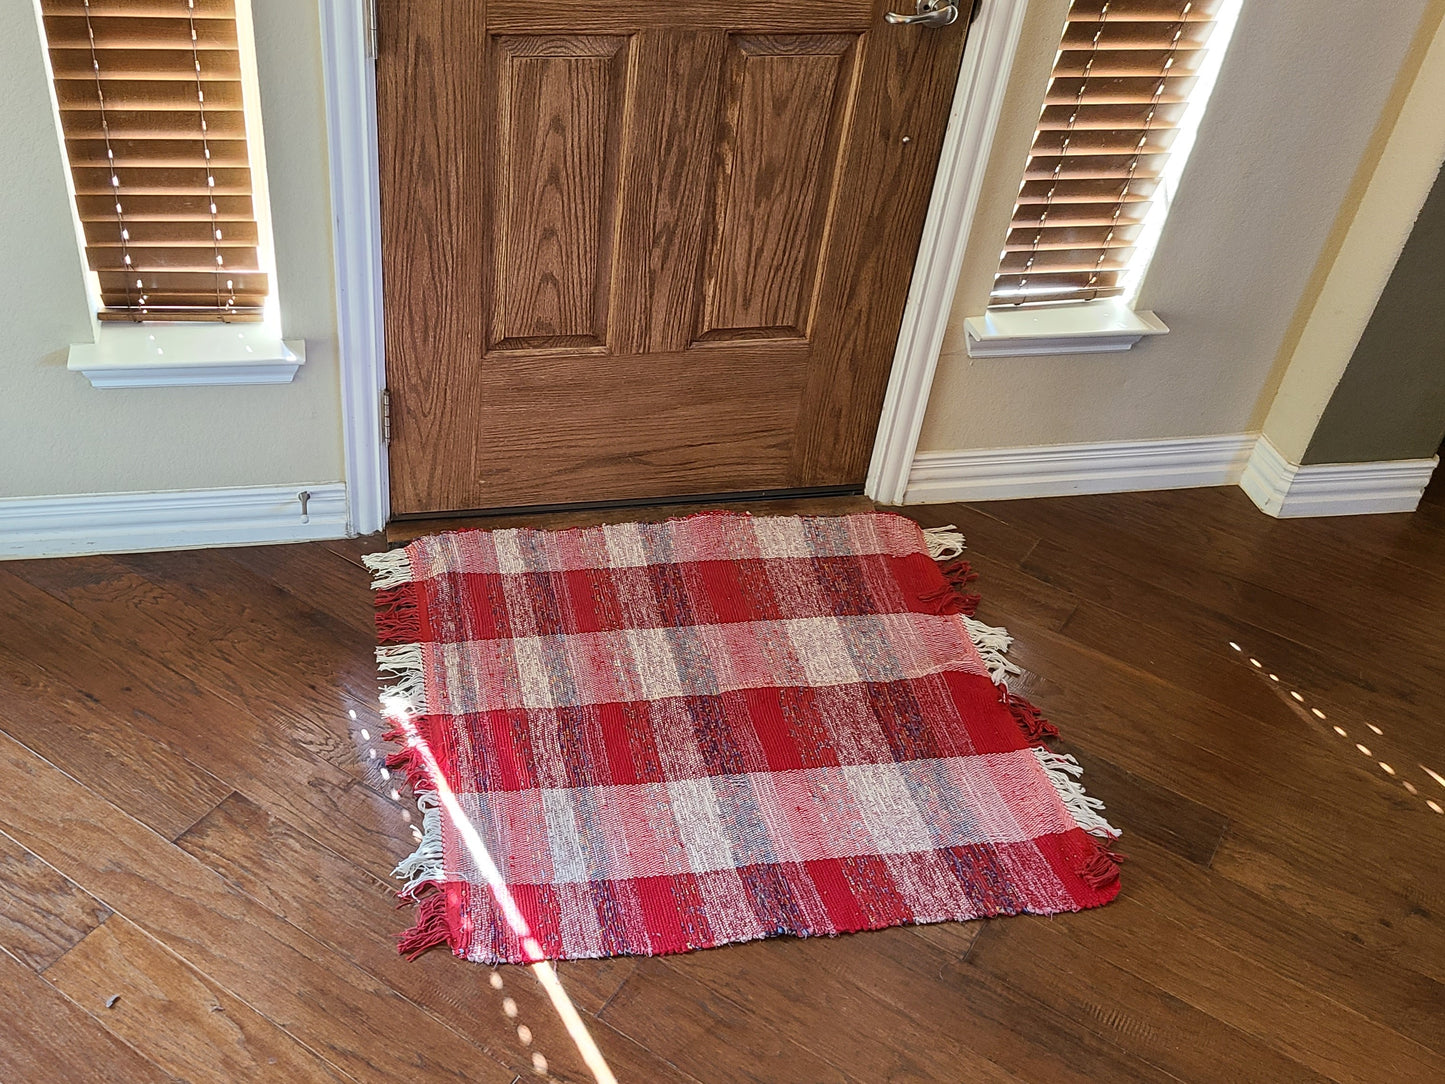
(1286, 490)
(1062, 469)
(181, 519)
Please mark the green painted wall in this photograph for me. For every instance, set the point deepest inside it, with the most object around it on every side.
(1390, 404)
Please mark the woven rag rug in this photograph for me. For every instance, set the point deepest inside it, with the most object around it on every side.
(649, 738)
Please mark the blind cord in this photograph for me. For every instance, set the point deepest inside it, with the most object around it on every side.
(210, 175)
(110, 165)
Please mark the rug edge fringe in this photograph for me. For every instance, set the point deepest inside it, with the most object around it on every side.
(427, 863)
(943, 542)
(405, 666)
(390, 568)
(1062, 770)
(430, 928)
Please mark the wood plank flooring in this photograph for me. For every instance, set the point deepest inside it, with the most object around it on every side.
(196, 832)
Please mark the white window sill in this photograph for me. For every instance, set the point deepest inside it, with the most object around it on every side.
(178, 355)
(1091, 327)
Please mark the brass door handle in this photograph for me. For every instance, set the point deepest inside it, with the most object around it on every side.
(927, 13)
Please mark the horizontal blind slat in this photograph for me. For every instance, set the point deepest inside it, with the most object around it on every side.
(1077, 214)
(1095, 115)
(1057, 281)
(1117, 34)
(157, 152)
(1201, 11)
(234, 314)
(140, 9)
(163, 95)
(1103, 141)
(1120, 90)
(1062, 261)
(168, 208)
(166, 64)
(66, 31)
(84, 122)
(1128, 62)
(160, 180)
(237, 258)
(1026, 239)
(1088, 191)
(182, 232)
(1093, 166)
(200, 284)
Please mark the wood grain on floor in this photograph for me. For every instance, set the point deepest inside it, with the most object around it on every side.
(192, 820)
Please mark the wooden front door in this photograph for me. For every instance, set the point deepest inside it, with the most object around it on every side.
(644, 249)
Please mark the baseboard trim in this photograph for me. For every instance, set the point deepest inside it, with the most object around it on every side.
(180, 519)
(1061, 469)
(1287, 491)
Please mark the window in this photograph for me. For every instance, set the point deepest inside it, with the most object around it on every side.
(1128, 88)
(158, 113)
(152, 113)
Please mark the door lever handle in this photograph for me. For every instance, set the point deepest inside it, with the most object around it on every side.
(927, 13)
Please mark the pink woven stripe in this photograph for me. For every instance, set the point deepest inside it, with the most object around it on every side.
(699, 660)
(615, 833)
(633, 545)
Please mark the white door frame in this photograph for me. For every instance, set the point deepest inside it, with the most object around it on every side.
(350, 79)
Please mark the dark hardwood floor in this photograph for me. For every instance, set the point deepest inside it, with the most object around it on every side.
(197, 833)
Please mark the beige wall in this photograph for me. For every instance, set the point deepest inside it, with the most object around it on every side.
(1298, 102)
(58, 435)
(1389, 192)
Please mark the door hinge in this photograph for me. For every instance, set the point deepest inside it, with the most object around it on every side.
(386, 416)
(371, 30)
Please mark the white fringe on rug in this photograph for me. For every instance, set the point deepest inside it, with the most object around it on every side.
(389, 569)
(944, 543)
(993, 644)
(428, 861)
(407, 693)
(1063, 772)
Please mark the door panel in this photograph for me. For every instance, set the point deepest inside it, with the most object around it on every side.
(560, 122)
(785, 104)
(639, 250)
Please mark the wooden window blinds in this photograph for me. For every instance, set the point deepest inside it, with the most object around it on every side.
(151, 111)
(1120, 84)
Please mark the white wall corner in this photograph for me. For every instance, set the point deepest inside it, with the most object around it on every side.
(89, 523)
(1063, 469)
(977, 101)
(1287, 490)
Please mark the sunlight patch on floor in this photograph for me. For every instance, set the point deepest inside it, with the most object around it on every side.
(1316, 713)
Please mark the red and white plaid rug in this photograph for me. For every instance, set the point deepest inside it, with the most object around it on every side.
(649, 738)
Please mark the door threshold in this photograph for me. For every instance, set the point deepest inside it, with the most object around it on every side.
(817, 501)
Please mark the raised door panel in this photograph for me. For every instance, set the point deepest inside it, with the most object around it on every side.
(786, 104)
(561, 110)
(670, 159)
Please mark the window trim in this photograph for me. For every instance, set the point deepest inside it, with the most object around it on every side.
(184, 353)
